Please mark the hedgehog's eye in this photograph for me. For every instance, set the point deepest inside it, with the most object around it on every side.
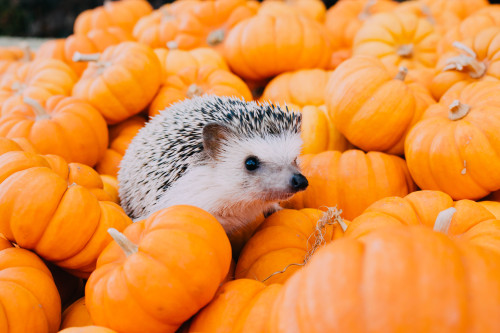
(252, 163)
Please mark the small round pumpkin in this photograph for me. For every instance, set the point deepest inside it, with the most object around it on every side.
(363, 96)
(460, 8)
(66, 126)
(351, 180)
(276, 44)
(87, 329)
(110, 186)
(76, 315)
(29, 301)
(159, 272)
(285, 241)
(239, 306)
(314, 9)
(455, 147)
(122, 82)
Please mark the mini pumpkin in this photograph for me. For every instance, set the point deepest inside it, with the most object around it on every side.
(314, 9)
(454, 148)
(87, 329)
(76, 315)
(164, 269)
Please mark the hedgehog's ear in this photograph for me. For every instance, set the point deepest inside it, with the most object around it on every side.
(214, 135)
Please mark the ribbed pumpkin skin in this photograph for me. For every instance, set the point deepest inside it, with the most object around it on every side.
(363, 97)
(485, 45)
(87, 329)
(38, 79)
(275, 44)
(398, 39)
(460, 157)
(76, 315)
(122, 83)
(351, 180)
(70, 128)
(45, 202)
(461, 8)
(205, 79)
(29, 301)
(183, 255)
(282, 240)
(405, 278)
(123, 14)
(314, 9)
(239, 306)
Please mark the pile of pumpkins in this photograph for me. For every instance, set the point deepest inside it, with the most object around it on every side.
(398, 231)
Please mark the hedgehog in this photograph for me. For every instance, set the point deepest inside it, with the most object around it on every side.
(232, 158)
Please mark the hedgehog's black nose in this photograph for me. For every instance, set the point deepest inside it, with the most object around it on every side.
(298, 182)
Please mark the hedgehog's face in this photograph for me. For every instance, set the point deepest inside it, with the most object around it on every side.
(260, 168)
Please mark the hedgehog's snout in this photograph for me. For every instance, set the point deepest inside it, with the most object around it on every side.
(298, 182)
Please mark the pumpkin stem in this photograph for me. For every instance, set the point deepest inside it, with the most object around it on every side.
(365, 12)
(18, 87)
(126, 245)
(27, 57)
(216, 37)
(458, 110)
(40, 111)
(405, 50)
(172, 45)
(403, 71)
(466, 62)
(194, 90)
(77, 56)
(443, 220)
(428, 14)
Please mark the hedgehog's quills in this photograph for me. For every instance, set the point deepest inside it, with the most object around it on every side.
(234, 159)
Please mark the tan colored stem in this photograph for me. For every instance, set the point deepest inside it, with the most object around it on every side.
(216, 37)
(40, 111)
(405, 50)
(403, 71)
(366, 11)
(443, 220)
(466, 62)
(27, 56)
(172, 45)
(126, 245)
(77, 56)
(458, 110)
(194, 90)
(428, 14)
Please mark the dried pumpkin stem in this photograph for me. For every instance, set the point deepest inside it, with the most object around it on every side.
(366, 11)
(405, 50)
(172, 45)
(216, 37)
(126, 245)
(40, 111)
(27, 57)
(458, 110)
(466, 62)
(77, 56)
(443, 220)
(428, 14)
(194, 90)
(403, 71)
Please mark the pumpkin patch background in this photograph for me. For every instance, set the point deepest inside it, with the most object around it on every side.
(398, 231)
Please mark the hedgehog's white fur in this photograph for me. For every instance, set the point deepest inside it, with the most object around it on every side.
(165, 164)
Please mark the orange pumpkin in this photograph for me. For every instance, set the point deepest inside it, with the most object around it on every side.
(351, 180)
(87, 329)
(94, 41)
(181, 252)
(120, 136)
(239, 306)
(16, 144)
(45, 202)
(38, 79)
(492, 206)
(474, 60)
(123, 14)
(160, 26)
(196, 81)
(285, 241)
(363, 96)
(460, 8)
(398, 39)
(314, 9)
(110, 186)
(482, 19)
(209, 22)
(344, 19)
(13, 57)
(29, 301)
(276, 44)
(405, 278)
(76, 315)
(122, 82)
(68, 127)
(454, 148)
